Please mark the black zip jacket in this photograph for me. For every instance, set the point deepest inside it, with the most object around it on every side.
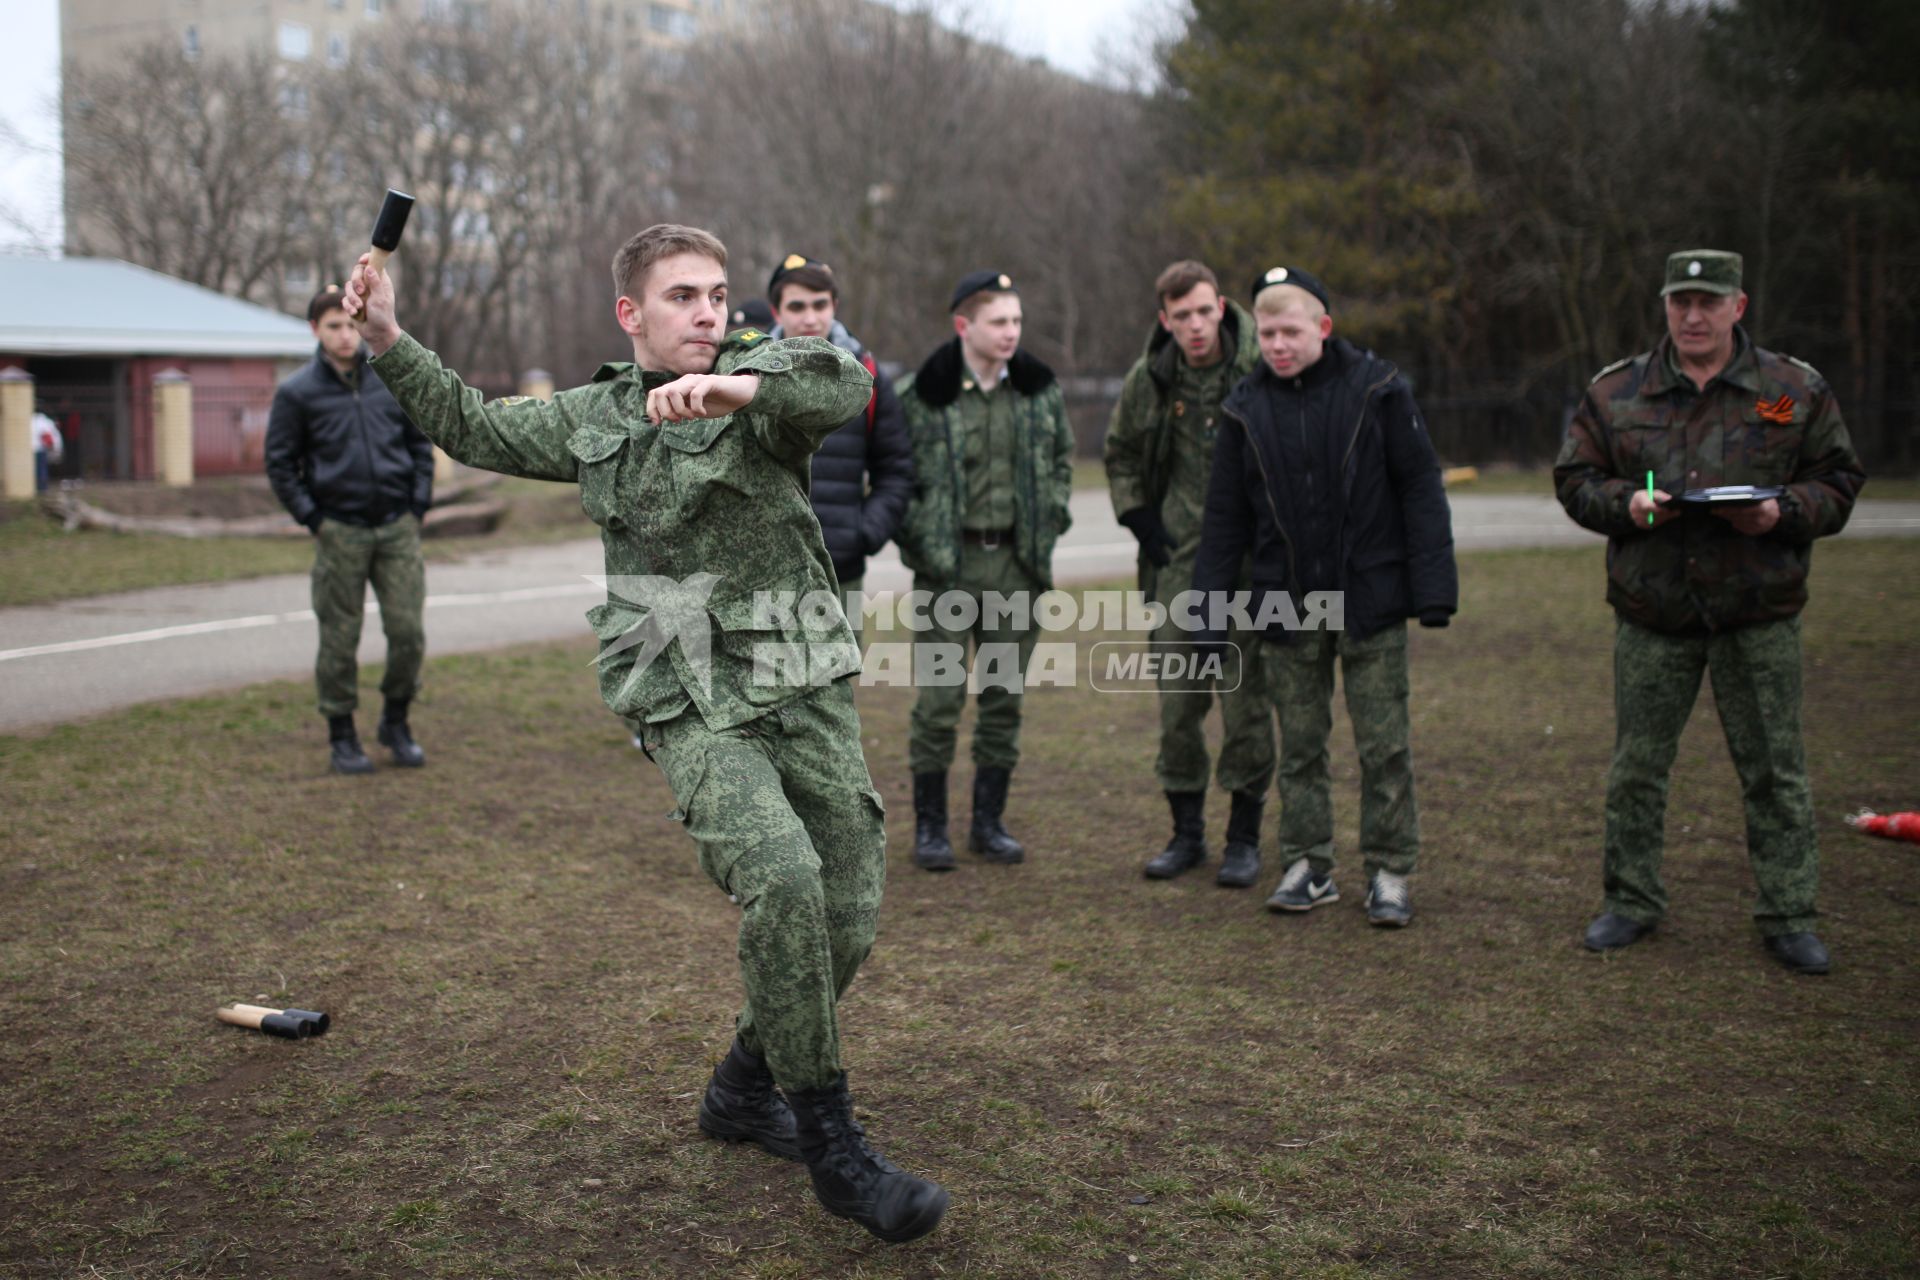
(1388, 524)
(345, 453)
(862, 475)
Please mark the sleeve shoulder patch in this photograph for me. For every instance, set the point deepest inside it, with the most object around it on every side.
(748, 337)
(1615, 367)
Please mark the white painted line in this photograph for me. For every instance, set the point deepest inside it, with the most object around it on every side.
(463, 600)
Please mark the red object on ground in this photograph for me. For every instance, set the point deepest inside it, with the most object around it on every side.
(1894, 826)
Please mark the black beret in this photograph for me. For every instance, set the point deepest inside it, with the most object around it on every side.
(979, 282)
(754, 313)
(791, 263)
(1293, 276)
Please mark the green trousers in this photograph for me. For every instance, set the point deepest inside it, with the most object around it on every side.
(787, 821)
(935, 724)
(1300, 680)
(1756, 685)
(1246, 747)
(346, 558)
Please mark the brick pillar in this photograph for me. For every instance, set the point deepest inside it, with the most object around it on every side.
(173, 428)
(537, 383)
(16, 433)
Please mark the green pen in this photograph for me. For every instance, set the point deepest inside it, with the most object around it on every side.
(1649, 497)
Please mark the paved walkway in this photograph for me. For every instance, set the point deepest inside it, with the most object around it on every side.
(86, 657)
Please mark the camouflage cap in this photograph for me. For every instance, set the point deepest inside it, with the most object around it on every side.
(1708, 270)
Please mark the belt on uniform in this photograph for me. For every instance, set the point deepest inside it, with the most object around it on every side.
(988, 538)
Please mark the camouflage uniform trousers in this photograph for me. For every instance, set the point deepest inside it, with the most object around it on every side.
(1300, 680)
(346, 558)
(1756, 686)
(787, 821)
(1246, 749)
(934, 727)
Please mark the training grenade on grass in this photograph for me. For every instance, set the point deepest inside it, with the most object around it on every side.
(1894, 826)
(289, 1024)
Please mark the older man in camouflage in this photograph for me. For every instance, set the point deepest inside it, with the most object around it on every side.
(693, 461)
(1159, 454)
(1698, 586)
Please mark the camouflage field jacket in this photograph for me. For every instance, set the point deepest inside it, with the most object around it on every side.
(1767, 419)
(706, 524)
(930, 537)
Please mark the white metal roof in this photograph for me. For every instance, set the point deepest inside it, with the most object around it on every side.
(101, 307)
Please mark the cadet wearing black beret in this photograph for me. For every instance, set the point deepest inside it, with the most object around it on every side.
(1295, 277)
(980, 282)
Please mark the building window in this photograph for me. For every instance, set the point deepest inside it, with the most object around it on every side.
(293, 101)
(373, 8)
(190, 43)
(336, 50)
(336, 4)
(296, 41)
(300, 278)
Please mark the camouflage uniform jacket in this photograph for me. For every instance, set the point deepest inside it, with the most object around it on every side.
(930, 538)
(696, 517)
(1140, 435)
(1766, 419)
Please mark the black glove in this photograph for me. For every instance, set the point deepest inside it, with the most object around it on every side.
(313, 521)
(1435, 618)
(1144, 523)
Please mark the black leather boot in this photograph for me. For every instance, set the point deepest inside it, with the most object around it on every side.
(932, 851)
(742, 1105)
(397, 738)
(989, 837)
(1188, 848)
(854, 1181)
(1240, 861)
(344, 741)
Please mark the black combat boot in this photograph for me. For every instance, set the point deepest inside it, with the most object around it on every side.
(742, 1105)
(1188, 848)
(1240, 861)
(397, 738)
(344, 740)
(854, 1181)
(989, 837)
(932, 851)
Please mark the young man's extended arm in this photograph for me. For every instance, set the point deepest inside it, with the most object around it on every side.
(517, 436)
(808, 389)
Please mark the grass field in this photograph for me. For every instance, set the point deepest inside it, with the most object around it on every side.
(42, 562)
(530, 980)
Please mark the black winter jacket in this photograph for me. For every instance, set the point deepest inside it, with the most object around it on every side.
(345, 454)
(862, 476)
(1392, 526)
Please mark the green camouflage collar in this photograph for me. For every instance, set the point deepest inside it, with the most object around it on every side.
(1664, 374)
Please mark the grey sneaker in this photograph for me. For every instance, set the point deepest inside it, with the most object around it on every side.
(1302, 889)
(1387, 902)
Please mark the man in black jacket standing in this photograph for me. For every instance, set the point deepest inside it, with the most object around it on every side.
(863, 473)
(1324, 472)
(346, 463)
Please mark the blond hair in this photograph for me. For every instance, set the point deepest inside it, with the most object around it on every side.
(1278, 299)
(662, 240)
